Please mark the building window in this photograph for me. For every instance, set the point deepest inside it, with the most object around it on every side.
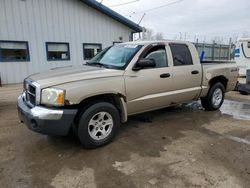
(57, 51)
(13, 51)
(90, 50)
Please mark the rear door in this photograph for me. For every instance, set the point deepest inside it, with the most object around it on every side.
(187, 73)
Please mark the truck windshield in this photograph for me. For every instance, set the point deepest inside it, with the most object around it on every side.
(116, 57)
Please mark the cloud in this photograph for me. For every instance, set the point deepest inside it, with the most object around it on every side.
(202, 18)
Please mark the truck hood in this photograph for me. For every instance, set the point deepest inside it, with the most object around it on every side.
(70, 74)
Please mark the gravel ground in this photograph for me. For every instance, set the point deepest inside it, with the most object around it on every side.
(173, 147)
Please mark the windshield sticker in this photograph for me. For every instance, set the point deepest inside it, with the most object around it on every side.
(130, 46)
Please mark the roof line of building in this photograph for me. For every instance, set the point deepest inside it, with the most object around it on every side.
(107, 11)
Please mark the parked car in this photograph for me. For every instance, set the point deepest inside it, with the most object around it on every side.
(122, 80)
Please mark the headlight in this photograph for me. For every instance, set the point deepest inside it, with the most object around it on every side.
(53, 96)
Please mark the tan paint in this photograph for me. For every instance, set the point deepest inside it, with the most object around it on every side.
(141, 90)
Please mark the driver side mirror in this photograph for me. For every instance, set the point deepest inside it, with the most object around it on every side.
(144, 63)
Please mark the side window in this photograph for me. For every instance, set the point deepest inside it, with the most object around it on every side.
(248, 44)
(181, 54)
(158, 53)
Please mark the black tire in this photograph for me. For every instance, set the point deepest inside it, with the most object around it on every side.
(207, 102)
(83, 129)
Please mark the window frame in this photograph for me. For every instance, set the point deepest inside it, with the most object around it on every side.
(47, 52)
(188, 52)
(117, 42)
(85, 44)
(16, 41)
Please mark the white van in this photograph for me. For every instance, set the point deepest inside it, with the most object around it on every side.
(242, 55)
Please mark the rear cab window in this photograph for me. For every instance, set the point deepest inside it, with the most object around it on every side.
(181, 54)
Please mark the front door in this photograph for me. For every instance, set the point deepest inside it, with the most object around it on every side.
(147, 88)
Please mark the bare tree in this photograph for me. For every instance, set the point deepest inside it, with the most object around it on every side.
(245, 34)
(217, 40)
(148, 34)
(158, 36)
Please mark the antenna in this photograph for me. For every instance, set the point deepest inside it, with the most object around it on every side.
(142, 18)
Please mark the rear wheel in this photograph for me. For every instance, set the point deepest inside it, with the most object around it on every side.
(214, 98)
(98, 125)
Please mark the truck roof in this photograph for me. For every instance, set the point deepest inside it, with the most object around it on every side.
(157, 41)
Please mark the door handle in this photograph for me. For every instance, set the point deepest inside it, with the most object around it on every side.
(195, 72)
(166, 75)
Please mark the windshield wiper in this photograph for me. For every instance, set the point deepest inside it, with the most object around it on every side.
(99, 64)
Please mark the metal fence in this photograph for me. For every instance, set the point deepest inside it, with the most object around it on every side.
(215, 51)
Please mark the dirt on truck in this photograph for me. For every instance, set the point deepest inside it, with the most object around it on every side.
(120, 81)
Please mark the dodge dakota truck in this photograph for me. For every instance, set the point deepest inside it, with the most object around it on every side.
(122, 80)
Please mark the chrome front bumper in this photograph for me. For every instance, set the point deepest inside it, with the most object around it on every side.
(45, 120)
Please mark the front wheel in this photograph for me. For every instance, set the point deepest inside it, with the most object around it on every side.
(98, 125)
(214, 98)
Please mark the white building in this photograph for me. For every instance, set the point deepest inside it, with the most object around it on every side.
(37, 35)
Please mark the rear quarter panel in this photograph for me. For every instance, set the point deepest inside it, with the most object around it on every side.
(212, 70)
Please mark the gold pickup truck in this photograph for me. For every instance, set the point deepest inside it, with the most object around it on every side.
(122, 80)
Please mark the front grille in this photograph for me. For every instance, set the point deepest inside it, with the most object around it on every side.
(32, 89)
(30, 92)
